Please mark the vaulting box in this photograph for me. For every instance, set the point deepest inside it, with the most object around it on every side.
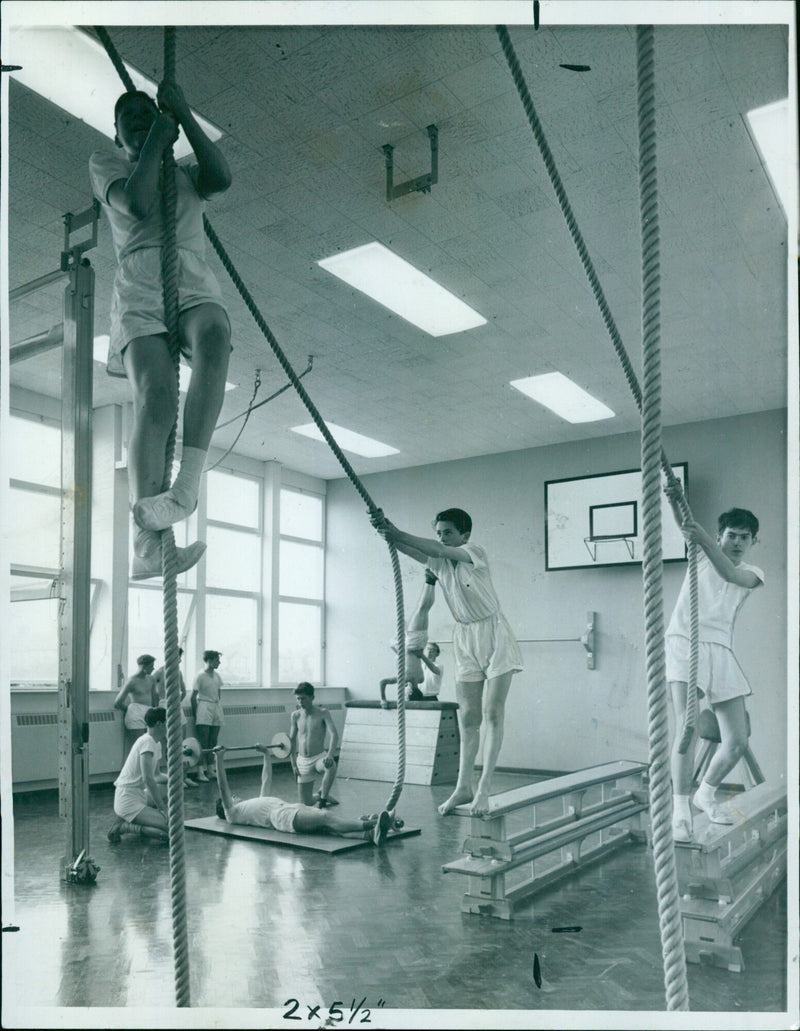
(369, 743)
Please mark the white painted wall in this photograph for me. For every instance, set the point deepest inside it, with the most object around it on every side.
(561, 715)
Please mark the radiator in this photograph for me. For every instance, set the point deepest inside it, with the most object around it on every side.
(34, 745)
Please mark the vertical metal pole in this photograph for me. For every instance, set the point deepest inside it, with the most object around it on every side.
(75, 588)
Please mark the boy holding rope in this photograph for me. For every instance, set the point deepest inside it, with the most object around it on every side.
(127, 185)
(724, 582)
(485, 650)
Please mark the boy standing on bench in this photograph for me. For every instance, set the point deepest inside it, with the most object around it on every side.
(289, 817)
(724, 582)
(311, 727)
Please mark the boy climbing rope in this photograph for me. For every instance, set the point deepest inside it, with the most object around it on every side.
(127, 184)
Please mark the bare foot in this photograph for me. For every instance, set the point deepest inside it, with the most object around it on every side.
(480, 805)
(459, 797)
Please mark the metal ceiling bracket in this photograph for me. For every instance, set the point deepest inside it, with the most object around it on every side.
(423, 183)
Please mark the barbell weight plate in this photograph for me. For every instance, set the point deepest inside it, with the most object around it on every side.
(281, 746)
(191, 752)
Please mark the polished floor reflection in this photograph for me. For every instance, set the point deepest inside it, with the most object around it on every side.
(268, 924)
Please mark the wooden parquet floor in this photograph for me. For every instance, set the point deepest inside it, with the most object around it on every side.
(269, 925)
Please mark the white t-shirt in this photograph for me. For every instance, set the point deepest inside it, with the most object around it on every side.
(467, 587)
(719, 603)
(431, 682)
(255, 812)
(130, 233)
(131, 773)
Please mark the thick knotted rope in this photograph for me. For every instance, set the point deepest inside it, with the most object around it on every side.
(177, 863)
(676, 995)
(619, 347)
(652, 563)
(320, 423)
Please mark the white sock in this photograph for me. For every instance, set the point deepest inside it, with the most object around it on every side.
(707, 792)
(187, 483)
(680, 808)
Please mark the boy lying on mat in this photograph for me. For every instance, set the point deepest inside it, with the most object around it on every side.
(290, 817)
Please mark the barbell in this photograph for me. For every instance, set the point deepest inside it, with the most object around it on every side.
(280, 745)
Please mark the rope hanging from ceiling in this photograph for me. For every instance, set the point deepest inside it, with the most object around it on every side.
(169, 557)
(660, 793)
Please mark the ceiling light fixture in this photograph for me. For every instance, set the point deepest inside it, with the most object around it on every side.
(770, 129)
(71, 69)
(397, 285)
(558, 393)
(348, 440)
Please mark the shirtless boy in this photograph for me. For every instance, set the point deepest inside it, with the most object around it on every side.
(312, 726)
(136, 697)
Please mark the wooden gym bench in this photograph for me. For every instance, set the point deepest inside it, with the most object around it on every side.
(494, 848)
(726, 872)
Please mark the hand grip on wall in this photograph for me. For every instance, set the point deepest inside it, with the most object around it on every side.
(588, 640)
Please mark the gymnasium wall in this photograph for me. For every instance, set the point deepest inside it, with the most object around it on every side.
(561, 715)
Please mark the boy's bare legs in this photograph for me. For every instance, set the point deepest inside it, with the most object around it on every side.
(320, 821)
(204, 329)
(150, 373)
(494, 710)
(682, 767)
(305, 789)
(328, 777)
(418, 623)
(469, 695)
(732, 719)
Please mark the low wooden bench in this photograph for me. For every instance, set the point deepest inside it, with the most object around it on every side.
(494, 848)
(726, 872)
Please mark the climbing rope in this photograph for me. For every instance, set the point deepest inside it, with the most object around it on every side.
(627, 367)
(652, 564)
(177, 863)
(320, 423)
(354, 479)
(677, 994)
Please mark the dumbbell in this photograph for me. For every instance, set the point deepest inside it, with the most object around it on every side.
(280, 745)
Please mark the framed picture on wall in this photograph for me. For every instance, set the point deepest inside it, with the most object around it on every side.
(597, 521)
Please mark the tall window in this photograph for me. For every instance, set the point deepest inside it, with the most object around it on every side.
(227, 617)
(301, 586)
(233, 574)
(33, 529)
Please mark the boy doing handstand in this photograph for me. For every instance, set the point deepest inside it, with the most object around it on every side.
(420, 655)
(724, 582)
(485, 650)
(290, 817)
(128, 187)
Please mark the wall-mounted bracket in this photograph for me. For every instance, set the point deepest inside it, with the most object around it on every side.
(588, 640)
(423, 183)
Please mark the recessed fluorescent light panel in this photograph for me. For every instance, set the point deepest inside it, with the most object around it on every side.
(348, 440)
(388, 279)
(558, 393)
(73, 71)
(771, 131)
